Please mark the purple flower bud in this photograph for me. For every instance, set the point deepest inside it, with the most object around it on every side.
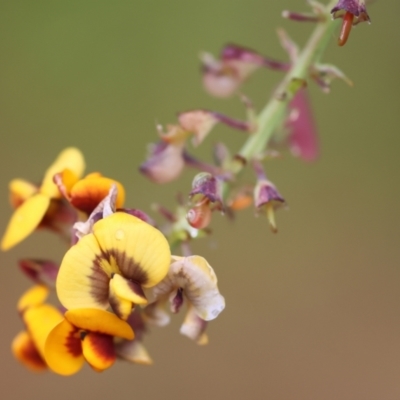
(207, 186)
(40, 271)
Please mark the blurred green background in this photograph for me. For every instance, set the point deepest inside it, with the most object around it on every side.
(312, 312)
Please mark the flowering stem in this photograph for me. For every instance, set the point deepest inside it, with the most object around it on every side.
(274, 113)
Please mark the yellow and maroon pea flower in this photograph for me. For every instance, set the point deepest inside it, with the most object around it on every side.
(352, 12)
(41, 205)
(191, 278)
(222, 77)
(39, 319)
(112, 265)
(84, 335)
(86, 194)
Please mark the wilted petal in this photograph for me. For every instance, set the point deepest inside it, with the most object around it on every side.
(194, 327)
(71, 159)
(156, 315)
(25, 351)
(303, 139)
(355, 7)
(164, 163)
(25, 219)
(199, 284)
(98, 350)
(40, 271)
(133, 351)
(198, 122)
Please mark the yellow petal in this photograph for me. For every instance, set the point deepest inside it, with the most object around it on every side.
(124, 294)
(82, 281)
(63, 350)
(25, 220)
(87, 193)
(20, 191)
(98, 350)
(70, 158)
(39, 322)
(35, 296)
(141, 251)
(99, 321)
(24, 350)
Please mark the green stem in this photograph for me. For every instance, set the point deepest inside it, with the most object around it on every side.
(274, 113)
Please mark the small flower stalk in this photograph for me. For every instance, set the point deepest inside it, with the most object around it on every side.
(123, 272)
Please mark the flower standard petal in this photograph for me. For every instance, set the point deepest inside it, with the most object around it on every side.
(70, 158)
(25, 220)
(100, 321)
(98, 350)
(87, 193)
(63, 349)
(140, 251)
(25, 351)
(84, 275)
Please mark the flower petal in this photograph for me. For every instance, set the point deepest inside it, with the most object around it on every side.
(33, 297)
(20, 191)
(70, 158)
(124, 294)
(133, 351)
(199, 283)
(194, 327)
(98, 350)
(140, 251)
(25, 220)
(87, 193)
(83, 278)
(24, 350)
(100, 321)
(63, 350)
(39, 322)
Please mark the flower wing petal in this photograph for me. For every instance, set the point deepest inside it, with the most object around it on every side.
(63, 350)
(100, 321)
(25, 220)
(98, 350)
(25, 351)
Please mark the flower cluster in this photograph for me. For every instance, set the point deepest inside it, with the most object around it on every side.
(118, 274)
(113, 282)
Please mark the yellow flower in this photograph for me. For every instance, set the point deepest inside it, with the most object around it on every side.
(84, 335)
(32, 203)
(112, 265)
(85, 194)
(39, 319)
